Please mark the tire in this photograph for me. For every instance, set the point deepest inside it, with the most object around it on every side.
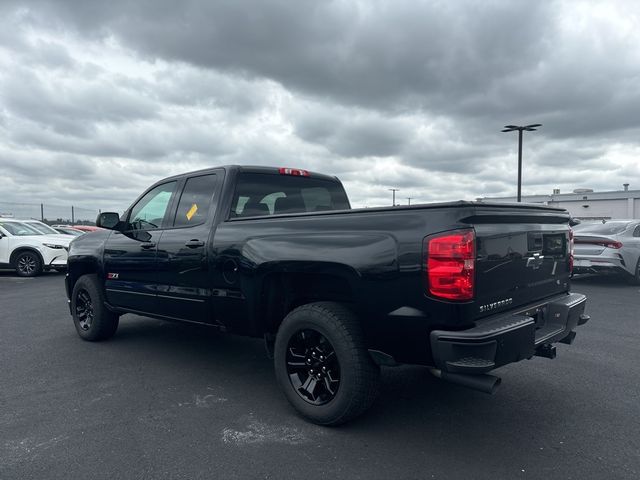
(634, 279)
(329, 390)
(92, 319)
(28, 264)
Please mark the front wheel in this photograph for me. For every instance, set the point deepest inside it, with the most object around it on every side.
(28, 264)
(634, 279)
(322, 364)
(92, 319)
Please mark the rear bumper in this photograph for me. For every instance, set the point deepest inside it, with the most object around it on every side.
(610, 263)
(508, 338)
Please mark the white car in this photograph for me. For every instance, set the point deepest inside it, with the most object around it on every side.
(29, 251)
(609, 247)
(42, 227)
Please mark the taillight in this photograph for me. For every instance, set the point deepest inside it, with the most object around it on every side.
(296, 172)
(451, 264)
(571, 243)
(602, 243)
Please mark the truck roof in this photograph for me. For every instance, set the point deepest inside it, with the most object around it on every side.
(253, 169)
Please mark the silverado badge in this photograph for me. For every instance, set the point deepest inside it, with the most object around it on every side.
(494, 305)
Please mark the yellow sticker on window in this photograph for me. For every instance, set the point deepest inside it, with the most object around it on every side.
(192, 211)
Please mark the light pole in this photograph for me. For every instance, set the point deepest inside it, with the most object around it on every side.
(409, 199)
(394, 190)
(513, 128)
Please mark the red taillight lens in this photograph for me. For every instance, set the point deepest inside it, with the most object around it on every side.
(602, 243)
(451, 264)
(571, 243)
(610, 244)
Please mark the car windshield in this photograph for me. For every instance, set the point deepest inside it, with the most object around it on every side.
(19, 229)
(42, 228)
(70, 231)
(609, 228)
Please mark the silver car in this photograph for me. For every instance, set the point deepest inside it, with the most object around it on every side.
(610, 247)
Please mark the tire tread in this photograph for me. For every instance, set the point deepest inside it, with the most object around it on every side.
(105, 323)
(344, 324)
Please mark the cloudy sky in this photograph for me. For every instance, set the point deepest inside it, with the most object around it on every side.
(100, 99)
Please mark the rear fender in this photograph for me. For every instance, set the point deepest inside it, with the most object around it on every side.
(283, 286)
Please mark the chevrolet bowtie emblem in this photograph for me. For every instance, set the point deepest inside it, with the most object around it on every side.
(535, 261)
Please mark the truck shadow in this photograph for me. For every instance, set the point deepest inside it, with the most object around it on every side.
(411, 398)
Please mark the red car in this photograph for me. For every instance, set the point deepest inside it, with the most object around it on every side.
(86, 228)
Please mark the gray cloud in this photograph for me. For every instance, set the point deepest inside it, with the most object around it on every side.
(352, 134)
(384, 94)
(68, 104)
(365, 53)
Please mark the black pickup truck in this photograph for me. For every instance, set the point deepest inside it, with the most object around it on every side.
(460, 287)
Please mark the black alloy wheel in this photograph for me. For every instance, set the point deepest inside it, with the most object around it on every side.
(313, 367)
(91, 317)
(322, 363)
(84, 310)
(28, 264)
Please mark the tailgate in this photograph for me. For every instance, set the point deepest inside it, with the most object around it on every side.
(522, 256)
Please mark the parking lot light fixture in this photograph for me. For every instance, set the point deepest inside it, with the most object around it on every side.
(526, 128)
(394, 190)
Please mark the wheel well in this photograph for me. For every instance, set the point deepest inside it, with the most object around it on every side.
(20, 250)
(78, 269)
(283, 292)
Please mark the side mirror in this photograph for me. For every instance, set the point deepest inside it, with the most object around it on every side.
(108, 220)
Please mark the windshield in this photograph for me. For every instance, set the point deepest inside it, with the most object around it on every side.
(70, 231)
(19, 229)
(609, 228)
(42, 228)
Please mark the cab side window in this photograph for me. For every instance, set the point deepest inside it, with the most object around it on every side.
(195, 201)
(150, 210)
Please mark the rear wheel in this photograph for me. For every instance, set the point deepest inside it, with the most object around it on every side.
(28, 264)
(322, 364)
(92, 319)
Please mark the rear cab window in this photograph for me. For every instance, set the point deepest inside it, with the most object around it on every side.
(263, 194)
(195, 201)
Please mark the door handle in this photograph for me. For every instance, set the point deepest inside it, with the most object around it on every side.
(147, 245)
(194, 244)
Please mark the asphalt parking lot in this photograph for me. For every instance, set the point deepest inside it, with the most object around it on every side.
(162, 400)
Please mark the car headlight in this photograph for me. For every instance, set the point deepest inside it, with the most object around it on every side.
(53, 245)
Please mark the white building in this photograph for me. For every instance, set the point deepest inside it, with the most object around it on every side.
(586, 204)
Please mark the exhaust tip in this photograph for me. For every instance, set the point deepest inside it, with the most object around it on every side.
(482, 382)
